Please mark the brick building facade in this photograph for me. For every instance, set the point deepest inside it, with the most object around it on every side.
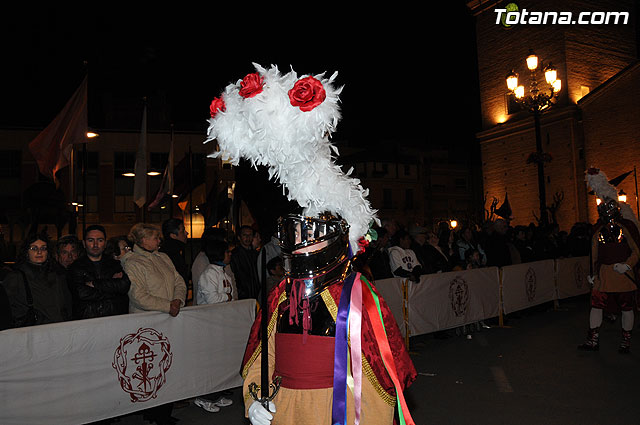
(588, 58)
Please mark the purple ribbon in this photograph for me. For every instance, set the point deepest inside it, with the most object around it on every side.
(340, 362)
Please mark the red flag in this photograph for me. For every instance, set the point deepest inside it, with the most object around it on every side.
(52, 147)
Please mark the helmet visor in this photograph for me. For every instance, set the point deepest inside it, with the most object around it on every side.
(297, 233)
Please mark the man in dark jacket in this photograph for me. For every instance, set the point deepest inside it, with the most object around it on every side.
(98, 284)
(244, 264)
(174, 242)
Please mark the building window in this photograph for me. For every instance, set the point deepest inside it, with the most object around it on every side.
(380, 169)
(10, 173)
(123, 163)
(157, 164)
(408, 199)
(387, 198)
(460, 183)
(86, 180)
(361, 169)
(158, 161)
(10, 162)
(438, 182)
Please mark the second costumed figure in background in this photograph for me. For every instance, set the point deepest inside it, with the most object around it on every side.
(614, 262)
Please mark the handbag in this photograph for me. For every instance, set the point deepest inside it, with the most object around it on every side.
(32, 317)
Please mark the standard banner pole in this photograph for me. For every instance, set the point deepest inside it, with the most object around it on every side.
(500, 301)
(405, 311)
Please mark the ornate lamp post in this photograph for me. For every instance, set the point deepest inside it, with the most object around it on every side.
(541, 96)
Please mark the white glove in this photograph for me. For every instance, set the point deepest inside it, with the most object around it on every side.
(591, 279)
(258, 415)
(621, 267)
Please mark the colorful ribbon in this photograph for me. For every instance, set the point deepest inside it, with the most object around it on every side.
(372, 307)
(347, 367)
(340, 365)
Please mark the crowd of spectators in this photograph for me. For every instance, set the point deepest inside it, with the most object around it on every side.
(401, 251)
(54, 281)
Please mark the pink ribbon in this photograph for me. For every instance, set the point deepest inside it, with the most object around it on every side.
(355, 322)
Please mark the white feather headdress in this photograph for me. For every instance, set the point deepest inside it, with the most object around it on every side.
(599, 183)
(284, 122)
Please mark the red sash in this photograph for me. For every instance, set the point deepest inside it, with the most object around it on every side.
(304, 366)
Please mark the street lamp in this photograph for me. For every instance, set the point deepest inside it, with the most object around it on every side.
(622, 196)
(539, 98)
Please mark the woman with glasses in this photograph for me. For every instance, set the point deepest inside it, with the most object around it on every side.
(37, 288)
(119, 247)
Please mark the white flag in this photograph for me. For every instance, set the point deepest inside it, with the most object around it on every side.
(140, 183)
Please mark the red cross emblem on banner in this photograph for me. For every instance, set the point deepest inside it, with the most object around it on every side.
(142, 360)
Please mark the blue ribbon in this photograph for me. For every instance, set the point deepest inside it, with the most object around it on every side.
(340, 363)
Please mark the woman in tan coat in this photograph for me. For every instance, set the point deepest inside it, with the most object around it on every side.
(155, 286)
(155, 283)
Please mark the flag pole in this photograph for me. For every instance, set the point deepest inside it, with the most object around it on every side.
(84, 167)
(84, 188)
(146, 168)
(170, 162)
(635, 177)
(73, 223)
(191, 201)
(140, 187)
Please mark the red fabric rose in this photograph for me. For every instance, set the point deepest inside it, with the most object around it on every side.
(363, 243)
(216, 105)
(251, 85)
(307, 93)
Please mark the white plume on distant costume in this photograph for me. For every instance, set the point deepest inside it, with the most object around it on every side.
(268, 130)
(599, 183)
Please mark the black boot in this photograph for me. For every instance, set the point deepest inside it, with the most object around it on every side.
(625, 343)
(592, 343)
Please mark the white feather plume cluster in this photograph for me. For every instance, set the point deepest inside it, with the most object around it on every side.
(599, 183)
(294, 144)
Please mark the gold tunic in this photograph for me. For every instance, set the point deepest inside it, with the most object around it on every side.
(313, 406)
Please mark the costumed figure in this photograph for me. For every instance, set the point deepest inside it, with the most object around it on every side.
(335, 353)
(614, 262)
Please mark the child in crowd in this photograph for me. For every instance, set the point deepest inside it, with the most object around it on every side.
(214, 286)
(276, 272)
(473, 260)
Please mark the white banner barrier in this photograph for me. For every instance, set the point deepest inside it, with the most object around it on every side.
(571, 277)
(88, 370)
(448, 300)
(439, 301)
(391, 291)
(528, 284)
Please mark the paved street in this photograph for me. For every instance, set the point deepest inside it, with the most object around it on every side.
(527, 373)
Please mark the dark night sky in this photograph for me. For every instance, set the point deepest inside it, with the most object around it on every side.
(395, 65)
